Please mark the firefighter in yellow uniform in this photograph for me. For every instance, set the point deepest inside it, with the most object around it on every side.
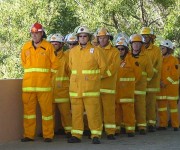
(143, 60)
(169, 84)
(153, 86)
(128, 74)
(108, 83)
(61, 86)
(39, 63)
(87, 65)
(72, 41)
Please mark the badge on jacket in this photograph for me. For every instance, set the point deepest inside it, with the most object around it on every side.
(123, 64)
(28, 53)
(91, 50)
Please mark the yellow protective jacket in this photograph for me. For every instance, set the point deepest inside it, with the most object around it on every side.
(129, 73)
(145, 64)
(39, 66)
(108, 82)
(67, 52)
(61, 84)
(156, 57)
(170, 77)
(86, 65)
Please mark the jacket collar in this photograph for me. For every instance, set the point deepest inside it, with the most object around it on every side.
(88, 46)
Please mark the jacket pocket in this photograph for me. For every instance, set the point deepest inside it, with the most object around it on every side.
(91, 83)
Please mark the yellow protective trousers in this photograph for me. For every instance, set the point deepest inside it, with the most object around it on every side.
(30, 102)
(93, 111)
(108, 113)
(125, 115)
(163, 113)
(151, 108)
(140, 111)
(65, 114)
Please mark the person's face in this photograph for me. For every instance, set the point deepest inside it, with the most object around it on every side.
(36, 36)
(136, 47)
(57, 45)
(121, 50)
(103, 40)
(163, 50)
(147, 38)
(72, 44)
(83, 38)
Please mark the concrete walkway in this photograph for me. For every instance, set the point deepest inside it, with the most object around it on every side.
(159, 140)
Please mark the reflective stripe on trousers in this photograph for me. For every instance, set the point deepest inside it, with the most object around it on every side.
(36, 89)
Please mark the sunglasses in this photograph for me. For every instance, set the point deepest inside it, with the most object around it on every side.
(72, 43)
(162, 48)
(121, 49)
(146, 36)
(83, 36)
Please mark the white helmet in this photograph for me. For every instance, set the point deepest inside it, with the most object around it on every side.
(121, 36)
(71, 38)
(57, 38)
(122, 42)
(167, 43)
(82, 29)
(122, 39)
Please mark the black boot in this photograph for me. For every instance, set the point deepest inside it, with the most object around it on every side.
(48, 140)
(151, 128)
(131, 134)
(26, 139)
(74, 139)
(96, 140)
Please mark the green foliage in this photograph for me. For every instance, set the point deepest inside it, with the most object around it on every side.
(65, 21)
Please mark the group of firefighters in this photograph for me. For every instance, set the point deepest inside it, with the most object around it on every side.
(118, 88)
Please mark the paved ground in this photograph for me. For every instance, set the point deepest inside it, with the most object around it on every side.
(159, 140)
